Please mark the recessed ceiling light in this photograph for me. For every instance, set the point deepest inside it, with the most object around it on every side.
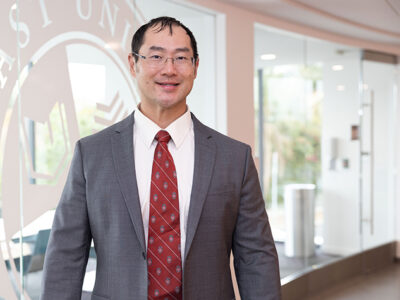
(269, 56)
(337, 67)
(340, 88)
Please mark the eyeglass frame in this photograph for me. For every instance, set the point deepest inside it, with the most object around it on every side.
(192, 59)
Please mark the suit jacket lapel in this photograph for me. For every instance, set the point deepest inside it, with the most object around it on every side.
(123, 156)
(204, 157)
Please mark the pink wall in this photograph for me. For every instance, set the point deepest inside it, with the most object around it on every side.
(240, 74)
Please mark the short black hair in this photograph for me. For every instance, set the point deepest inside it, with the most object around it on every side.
(162, 22)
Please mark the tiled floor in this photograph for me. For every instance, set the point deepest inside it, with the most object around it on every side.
(381, 285)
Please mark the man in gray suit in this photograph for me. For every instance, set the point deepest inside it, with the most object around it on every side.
(164, 198)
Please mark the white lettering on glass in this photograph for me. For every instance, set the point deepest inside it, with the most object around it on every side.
(43, 9)
(112, 20)
(22, 27)
(5, 58)
(125, 36)
(79, 8)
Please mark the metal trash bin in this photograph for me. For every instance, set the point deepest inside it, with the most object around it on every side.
(299, 215)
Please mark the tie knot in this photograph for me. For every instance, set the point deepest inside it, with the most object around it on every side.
(163, 136)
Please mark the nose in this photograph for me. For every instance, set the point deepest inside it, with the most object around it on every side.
(169, 67)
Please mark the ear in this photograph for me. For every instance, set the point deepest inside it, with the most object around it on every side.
(196, 66)
(132, 64)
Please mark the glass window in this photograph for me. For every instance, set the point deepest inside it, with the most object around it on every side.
(74, 80)
(316, 131)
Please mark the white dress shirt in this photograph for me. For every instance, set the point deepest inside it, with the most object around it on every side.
(181, 147)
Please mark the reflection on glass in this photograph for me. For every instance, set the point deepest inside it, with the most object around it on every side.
(88, 82)
(45, 163)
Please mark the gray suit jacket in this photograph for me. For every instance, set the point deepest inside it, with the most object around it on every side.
(100, 201)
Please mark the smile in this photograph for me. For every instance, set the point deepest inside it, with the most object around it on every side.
(167, 84)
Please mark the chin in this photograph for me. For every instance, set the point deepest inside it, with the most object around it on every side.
(171, 103)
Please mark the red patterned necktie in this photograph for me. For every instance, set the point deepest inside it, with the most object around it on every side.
(164, 263)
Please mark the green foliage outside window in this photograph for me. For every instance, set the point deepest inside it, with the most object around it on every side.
(292, 126)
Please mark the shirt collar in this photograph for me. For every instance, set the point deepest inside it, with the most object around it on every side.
(178, 129)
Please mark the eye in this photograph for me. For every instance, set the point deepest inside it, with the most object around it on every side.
(181, 58)
(156, 57)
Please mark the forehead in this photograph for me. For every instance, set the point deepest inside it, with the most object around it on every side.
(178, 39)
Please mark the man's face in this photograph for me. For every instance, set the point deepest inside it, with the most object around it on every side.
(164, 86)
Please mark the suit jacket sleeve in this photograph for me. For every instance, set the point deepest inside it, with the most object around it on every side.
(69, 243)
(255, 257)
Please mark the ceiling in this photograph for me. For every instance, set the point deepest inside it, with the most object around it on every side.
(377, 21)
(294, 49)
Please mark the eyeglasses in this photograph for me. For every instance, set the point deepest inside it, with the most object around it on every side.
(157, 61)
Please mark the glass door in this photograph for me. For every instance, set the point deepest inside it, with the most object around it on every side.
(377, 149)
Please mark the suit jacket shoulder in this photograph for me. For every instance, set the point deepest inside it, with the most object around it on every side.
(104, 134)
(221, 139)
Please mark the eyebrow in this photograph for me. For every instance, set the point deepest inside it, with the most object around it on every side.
(185, 49)
(158, 48)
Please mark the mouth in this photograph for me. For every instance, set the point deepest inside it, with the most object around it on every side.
(168, 87)
(168, 84)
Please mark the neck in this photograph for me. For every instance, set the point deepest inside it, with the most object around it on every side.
(162, 116)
